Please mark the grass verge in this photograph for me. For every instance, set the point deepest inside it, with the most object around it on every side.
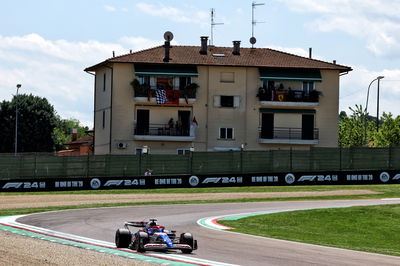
(370, 228)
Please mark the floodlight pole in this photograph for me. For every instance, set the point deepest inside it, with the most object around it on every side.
(16, 121)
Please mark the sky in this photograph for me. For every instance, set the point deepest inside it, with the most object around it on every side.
(46, 44)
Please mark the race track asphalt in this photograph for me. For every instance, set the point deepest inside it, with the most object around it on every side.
(216, 245)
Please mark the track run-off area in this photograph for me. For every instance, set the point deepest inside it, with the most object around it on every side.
(94, 229)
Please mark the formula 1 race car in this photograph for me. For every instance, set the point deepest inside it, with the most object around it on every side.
(153, 237)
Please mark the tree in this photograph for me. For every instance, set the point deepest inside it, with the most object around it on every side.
(62, 132)
(389, 132)
(36, 121)
(352, 128)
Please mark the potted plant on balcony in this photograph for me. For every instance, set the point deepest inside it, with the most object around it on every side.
(314, 96)
(190, 91)
(140, 90)
(262, 94)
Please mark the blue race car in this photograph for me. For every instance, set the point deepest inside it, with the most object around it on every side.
(153, 237)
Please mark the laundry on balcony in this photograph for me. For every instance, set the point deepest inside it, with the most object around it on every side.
(167, 96)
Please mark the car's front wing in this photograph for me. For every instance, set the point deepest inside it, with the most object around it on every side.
(160, 246)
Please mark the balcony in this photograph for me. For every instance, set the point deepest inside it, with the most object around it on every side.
(295, 98)
(162, 132)
(283, 135)
(175, 95)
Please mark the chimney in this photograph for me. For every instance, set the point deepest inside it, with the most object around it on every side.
(203, 48)
(236, 48)
(334, 62)
(74, 134)
(113, 53)
(166, 49)
(310, 52)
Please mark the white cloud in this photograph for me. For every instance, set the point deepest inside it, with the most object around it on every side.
(54, 70)
(376, 22)
(190, 15)
(110, 8)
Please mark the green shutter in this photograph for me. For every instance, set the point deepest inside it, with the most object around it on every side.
(290, 74)
(166, 70)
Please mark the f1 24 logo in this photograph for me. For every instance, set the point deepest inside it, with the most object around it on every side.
(223, 180)
(24, 185)
(318, 178)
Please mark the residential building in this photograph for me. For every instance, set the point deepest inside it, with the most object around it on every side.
(172, 99)
(78, 146)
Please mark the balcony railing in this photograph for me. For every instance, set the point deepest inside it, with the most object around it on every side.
(144, 90)
(162, 132)
(288, 96)
(284, 133)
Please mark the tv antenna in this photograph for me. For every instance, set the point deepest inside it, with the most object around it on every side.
(254, 22)
(212, 26)
(168, 36)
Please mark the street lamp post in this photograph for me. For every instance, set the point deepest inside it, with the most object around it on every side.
(377, 107)
(16, 121)
(366, 107)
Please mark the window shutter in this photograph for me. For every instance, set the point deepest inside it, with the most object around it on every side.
(217, 101)
(236, 101)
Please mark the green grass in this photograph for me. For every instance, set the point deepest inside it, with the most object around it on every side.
(371, 228)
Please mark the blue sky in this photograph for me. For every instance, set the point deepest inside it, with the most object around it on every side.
(46, 44)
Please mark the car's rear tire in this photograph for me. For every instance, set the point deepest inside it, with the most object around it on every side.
(187, 238)
(140, 241)
(122, 238)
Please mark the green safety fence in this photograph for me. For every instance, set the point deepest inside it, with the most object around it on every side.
(225, 162)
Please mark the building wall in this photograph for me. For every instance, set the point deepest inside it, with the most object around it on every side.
(123, 108)
(327, 116)
(226, 116)
(242, 82)
(102, 105)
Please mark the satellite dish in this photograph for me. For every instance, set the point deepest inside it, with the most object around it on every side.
(168, 36)
(253, 40)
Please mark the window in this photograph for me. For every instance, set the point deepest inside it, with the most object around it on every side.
(104, 81)
(308, 87)
(144, 80)
(184, 81)
(183, 151)
(226, 133)
(104, 119)
(227, 101)
(228, 77)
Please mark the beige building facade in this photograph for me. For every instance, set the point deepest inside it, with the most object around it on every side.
(170, 100)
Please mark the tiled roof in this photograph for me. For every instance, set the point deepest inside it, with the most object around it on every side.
(249, 57)
(82, 140)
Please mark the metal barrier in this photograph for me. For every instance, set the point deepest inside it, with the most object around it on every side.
(199, 163)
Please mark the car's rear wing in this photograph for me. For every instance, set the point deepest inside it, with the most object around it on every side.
(135, 224)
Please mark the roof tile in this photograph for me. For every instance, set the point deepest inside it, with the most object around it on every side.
(249, 57)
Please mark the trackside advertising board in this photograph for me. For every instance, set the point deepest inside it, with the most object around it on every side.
(187, 181)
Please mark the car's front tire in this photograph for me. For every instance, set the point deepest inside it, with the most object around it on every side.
(123, 238)
(187, 238)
